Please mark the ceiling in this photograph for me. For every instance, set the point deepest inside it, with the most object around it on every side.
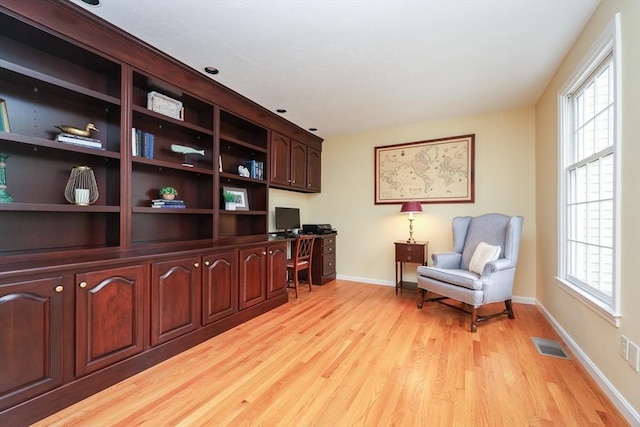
(347, 66)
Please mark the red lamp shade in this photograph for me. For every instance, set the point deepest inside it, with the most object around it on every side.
(410, 206)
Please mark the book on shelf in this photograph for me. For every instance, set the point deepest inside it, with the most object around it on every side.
(256, 169)
(168, 201)
(148, 145)
(68, 138)
(134, 145)
(164, 203)
(171, 206)
(142, 143)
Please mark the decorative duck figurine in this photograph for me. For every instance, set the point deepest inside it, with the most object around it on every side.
(79, 132)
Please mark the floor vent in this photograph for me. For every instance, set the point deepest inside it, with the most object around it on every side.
(549, 348)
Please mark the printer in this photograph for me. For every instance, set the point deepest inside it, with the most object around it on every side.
(317, 229)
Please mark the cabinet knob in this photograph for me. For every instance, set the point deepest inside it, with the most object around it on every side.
(330, 249)
(409, 257)
(59, 289)
(196, 264)
(408, 248)
(83, 285)
(330, 264)
(207, 263)
(270, 252)
(308, 185)
(264, 253)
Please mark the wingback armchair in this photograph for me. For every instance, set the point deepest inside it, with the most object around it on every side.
(480, 269)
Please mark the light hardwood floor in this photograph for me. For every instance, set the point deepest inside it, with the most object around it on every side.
(354, 354)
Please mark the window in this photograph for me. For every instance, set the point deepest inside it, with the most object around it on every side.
(588, 171)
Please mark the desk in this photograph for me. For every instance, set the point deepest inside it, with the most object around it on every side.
(412, 253)
(323, 261)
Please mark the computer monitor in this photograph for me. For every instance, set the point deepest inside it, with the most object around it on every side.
(287, 219)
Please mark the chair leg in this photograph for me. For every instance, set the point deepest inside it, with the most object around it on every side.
(292, 281)
(474, 317)
(509, 309)
(309, 280)
(424, 294)
(295, 283)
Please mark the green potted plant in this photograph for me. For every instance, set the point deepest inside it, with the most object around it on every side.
(168, 193)
(229, 201)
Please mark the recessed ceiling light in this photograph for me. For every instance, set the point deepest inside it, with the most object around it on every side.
(281, 110)
(92, 2)
(211, 70)
(313, 129)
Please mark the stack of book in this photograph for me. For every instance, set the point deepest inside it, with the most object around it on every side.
(169, 204)
(142, 143)
(68, 138)
(256, 169)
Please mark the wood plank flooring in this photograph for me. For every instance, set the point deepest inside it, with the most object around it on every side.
(355, 354)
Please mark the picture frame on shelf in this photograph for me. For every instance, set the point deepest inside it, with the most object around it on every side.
(241, 199)
(4, 117)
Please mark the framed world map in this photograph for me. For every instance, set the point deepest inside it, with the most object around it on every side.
(433, 171)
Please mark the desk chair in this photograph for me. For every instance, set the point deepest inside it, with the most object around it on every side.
(301, 260)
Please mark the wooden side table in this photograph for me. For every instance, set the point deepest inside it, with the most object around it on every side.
(412, 253)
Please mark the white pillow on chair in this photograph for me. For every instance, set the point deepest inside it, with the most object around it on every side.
(483, 254)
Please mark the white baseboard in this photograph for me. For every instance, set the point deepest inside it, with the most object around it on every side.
(517, 299)
(523, 300)
(628, 412)
(366, 280)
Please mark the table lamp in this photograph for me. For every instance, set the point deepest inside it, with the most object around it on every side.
(411, 207)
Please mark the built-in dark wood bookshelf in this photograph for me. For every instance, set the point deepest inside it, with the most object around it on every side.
(240, 142)
(47, 81)
(90, 295)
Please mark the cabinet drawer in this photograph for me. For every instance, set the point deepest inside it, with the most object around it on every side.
(328, 249)
(328, 241)
(407, 252)
(328, 264)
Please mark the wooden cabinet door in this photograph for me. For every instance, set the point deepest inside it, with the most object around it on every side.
(219, 286)
(252, 287)
(175, 298)
(280, 161)
(109, 316)
(31, 333)
(314, 172)
(298, 165)
(276, 269)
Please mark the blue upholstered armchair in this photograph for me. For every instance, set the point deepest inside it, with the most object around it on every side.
(481, 268)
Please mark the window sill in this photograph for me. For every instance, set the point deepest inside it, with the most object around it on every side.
(601, 309)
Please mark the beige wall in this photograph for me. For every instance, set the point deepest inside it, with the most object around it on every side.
(597, 338)
(504, 183)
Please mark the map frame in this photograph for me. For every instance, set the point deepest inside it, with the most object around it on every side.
(438, 192)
